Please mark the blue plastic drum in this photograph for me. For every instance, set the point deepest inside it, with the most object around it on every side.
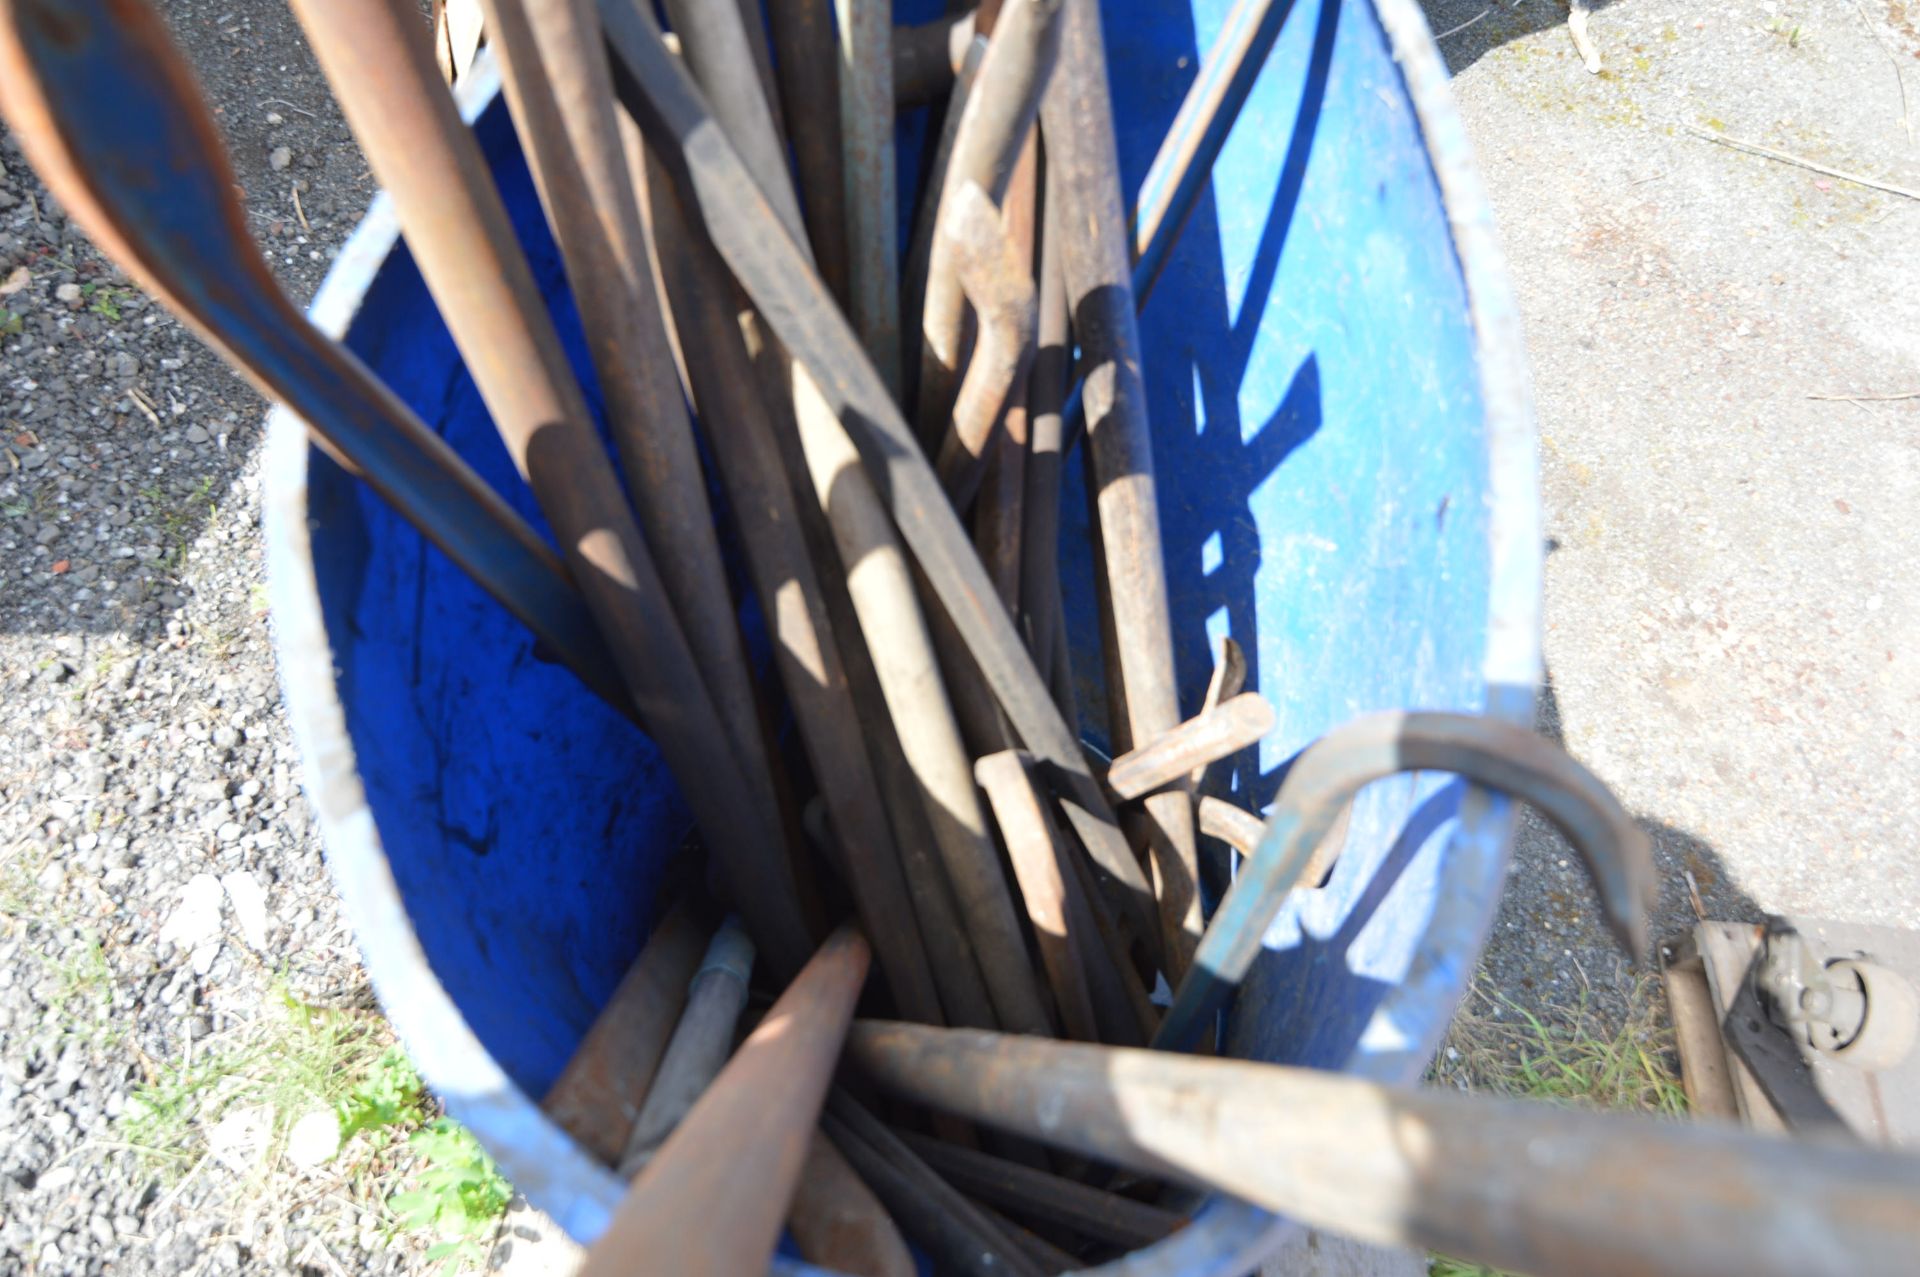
(1346, 460)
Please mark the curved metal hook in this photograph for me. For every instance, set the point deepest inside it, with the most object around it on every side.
(1331, 771)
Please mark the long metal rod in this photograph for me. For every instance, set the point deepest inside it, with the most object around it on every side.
(754, 22)
(1184, 162)
(931, 1213)
(1040, 1252)
(1531, 1187)
(1172, 757)
(701, 1042)
(838, 1223)
(561, 95)
(1120, 999)
(146, 175)
(1033, 1194)
(800, 311)
(374, 53)
(711, 1201)
(866, 131)
(927, 56)
(747, 454)
(1084, 175)
(1324, 779)
(598, 1095)
(996, 276)
(714, 41)
(994, 122)
(999, 516)
(809, 82)
(1229, 677)
(903, 654)
(935, 154)
(1047, 378)
(1037, 859)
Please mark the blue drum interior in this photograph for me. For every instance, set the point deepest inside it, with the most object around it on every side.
(1322, 449)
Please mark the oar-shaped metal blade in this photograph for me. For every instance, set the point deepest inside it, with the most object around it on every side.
(110, 117)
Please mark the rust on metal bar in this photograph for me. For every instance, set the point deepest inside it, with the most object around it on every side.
(754, 23)
(838, 1223)
(926, 58)
(711, 1202)
(999, 519)
(1235, 826)
(998, 114)
(561, 95)
(173, 222)
(1120, 1000)
(1241, 830)
(598, 1095)
(1228, 679)
(1033, 1194)
(375, 55)
(747, 452)
(1172, 757)
(866, 132)
(1083, 175)
(809, 85)
(929, 1211)
(997, 278)
(1034, 848)
(1526, 1186)
(1043, 1254)
(701, 1042)
(714, 41)
(1047, 376)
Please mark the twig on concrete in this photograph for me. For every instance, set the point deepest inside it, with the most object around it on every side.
(1786, 157)
(1856, 397)
(1577, 12)
(1463, 26)
(1906, 116)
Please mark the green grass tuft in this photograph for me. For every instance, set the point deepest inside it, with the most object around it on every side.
(1576, 1055)
(397, 1158)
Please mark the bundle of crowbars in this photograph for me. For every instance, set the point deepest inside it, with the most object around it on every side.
(889, 424)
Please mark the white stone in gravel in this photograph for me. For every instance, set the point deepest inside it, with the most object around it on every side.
(249, 906)
(229, 831)
(54, 1180)
(67, 293)
(314, 1139)
(238, 1139)
(196, 922)
(279, 158)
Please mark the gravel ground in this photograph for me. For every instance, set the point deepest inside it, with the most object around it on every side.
(1731, 592)
(161, 879)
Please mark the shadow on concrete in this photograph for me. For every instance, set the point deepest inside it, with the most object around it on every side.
(1467, 30)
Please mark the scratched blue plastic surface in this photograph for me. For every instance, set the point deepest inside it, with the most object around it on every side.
(1319, 438)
